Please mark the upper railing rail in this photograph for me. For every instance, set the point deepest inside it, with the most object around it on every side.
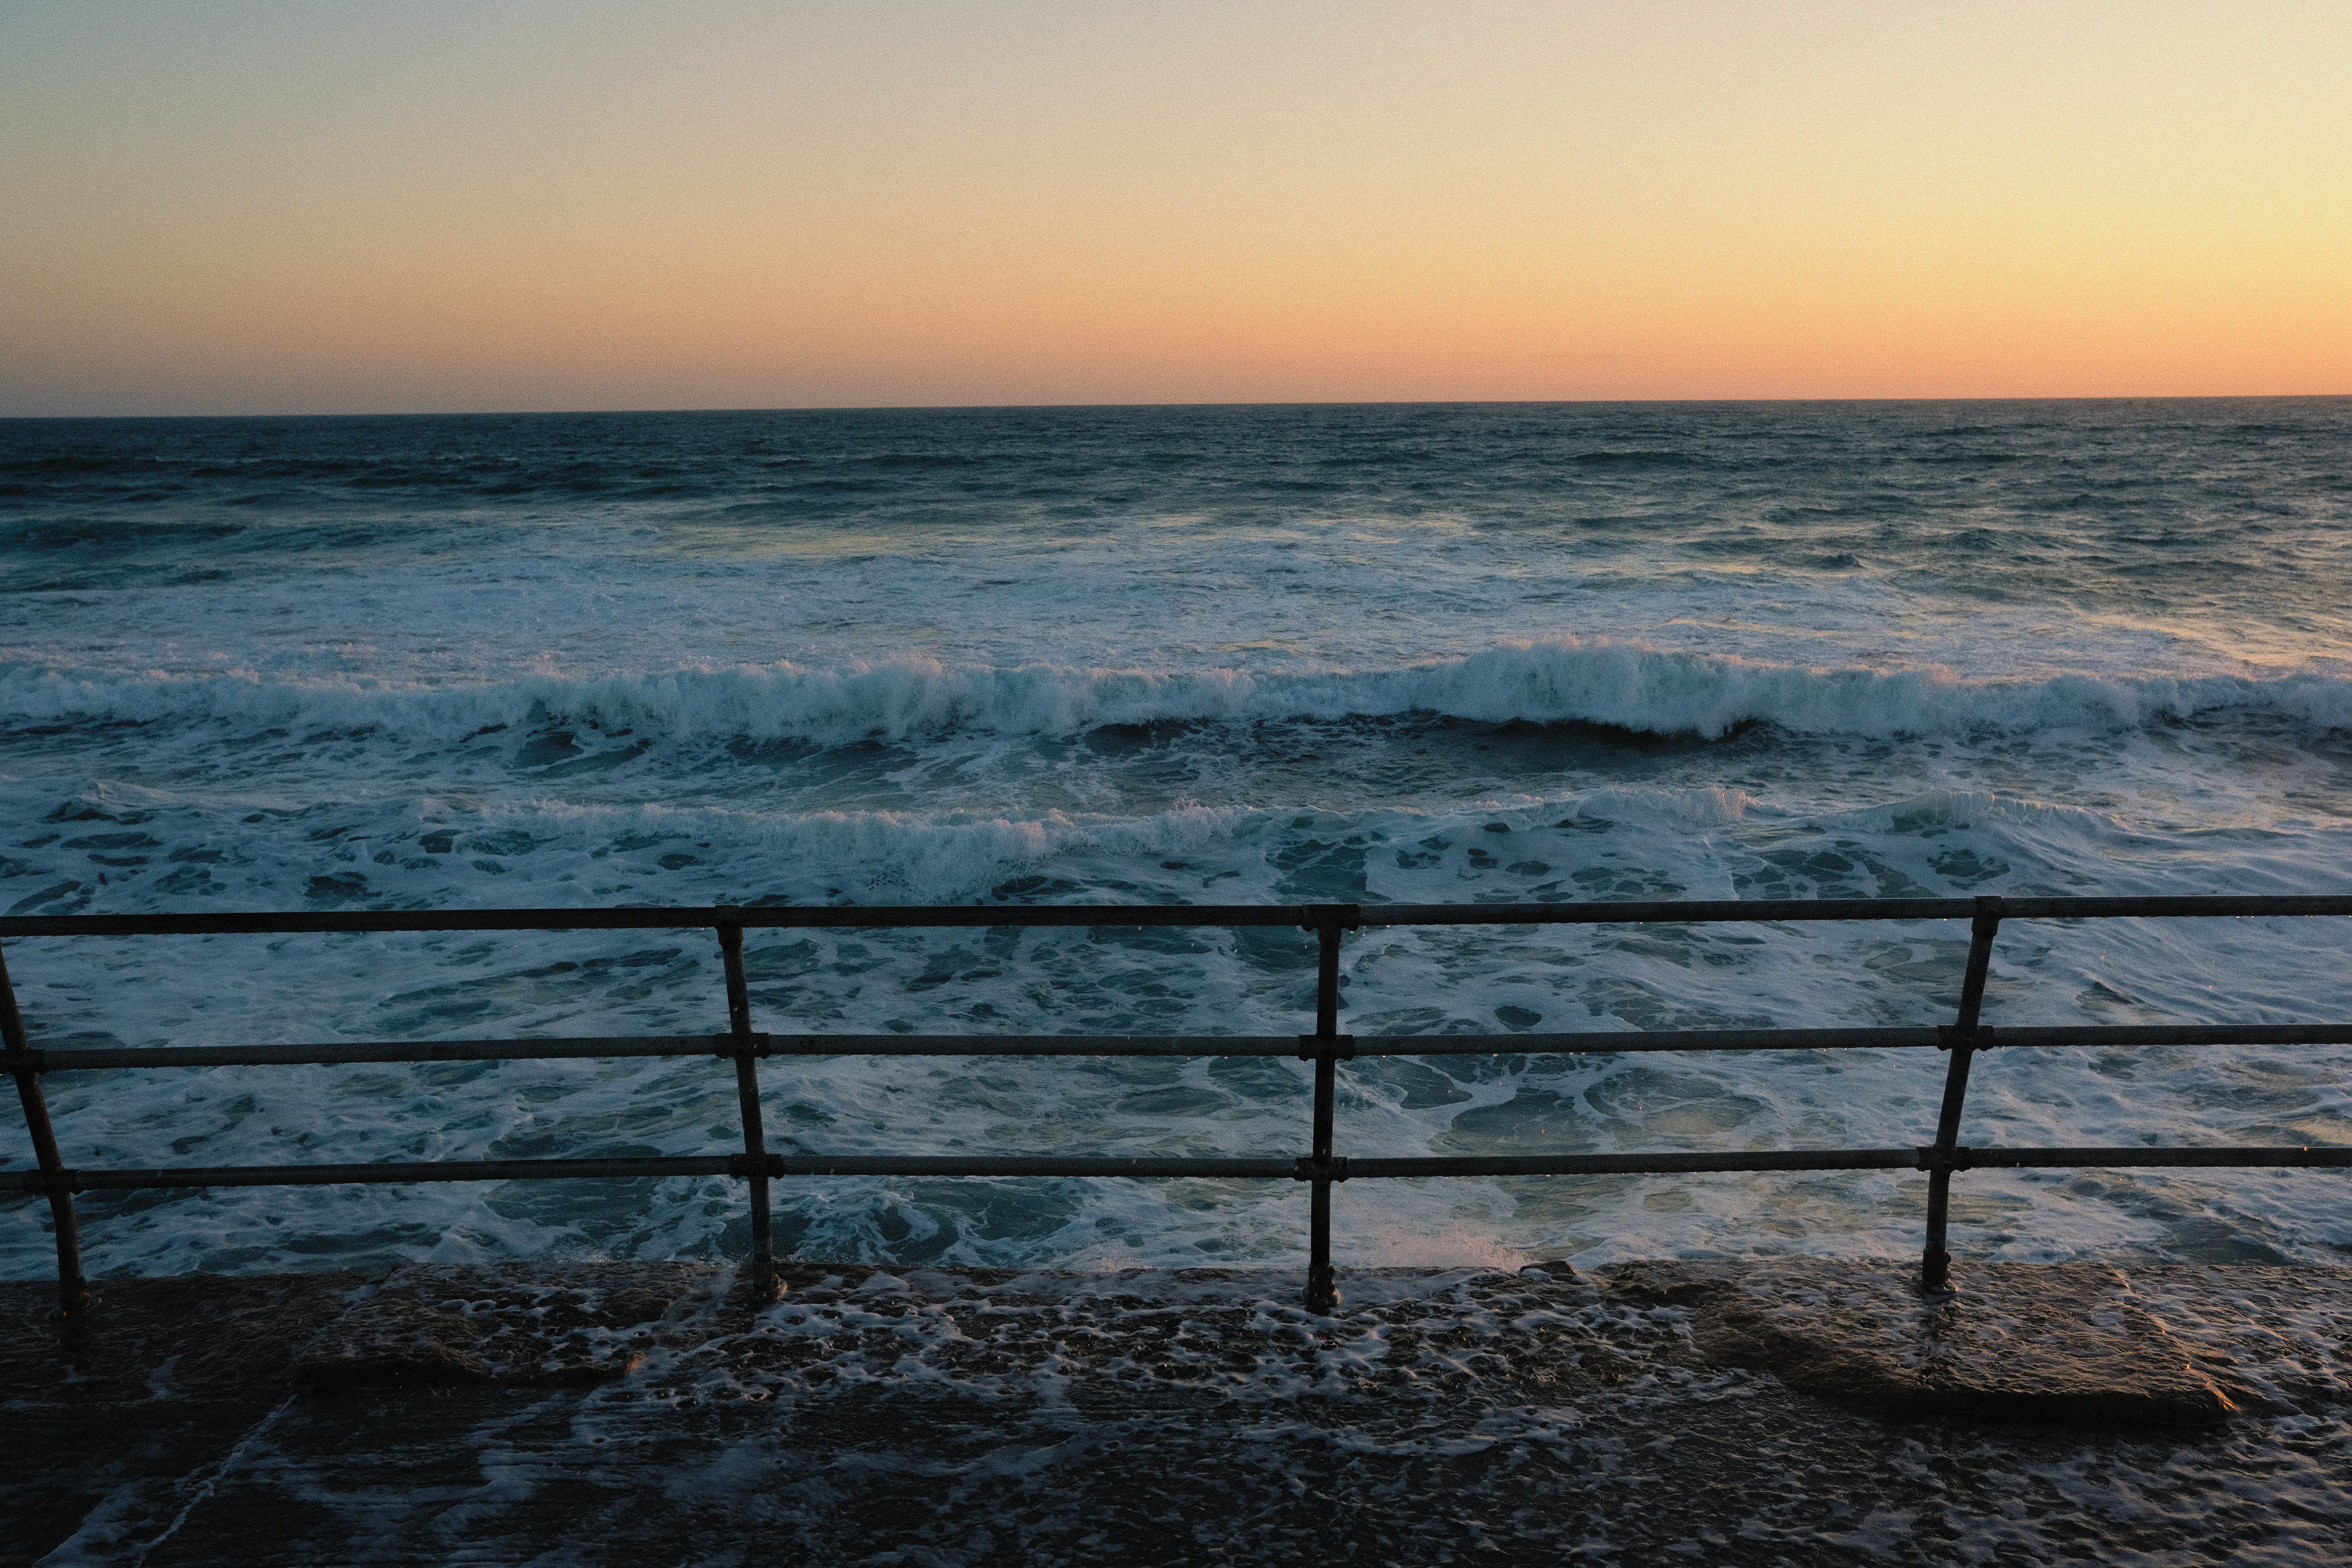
(744, 1047)
(883, 917)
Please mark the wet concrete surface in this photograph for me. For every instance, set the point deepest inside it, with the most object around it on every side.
(1784, 1412)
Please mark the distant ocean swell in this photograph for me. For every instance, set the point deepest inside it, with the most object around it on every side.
(1557, 679)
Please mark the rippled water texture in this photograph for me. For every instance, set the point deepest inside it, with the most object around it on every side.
(1543, 652)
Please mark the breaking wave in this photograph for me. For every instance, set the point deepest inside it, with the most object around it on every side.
(1625, 685)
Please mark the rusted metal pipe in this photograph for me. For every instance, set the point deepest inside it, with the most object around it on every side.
(1190, 1168)
(1935, 1258)
(1322, 1284)
(760, 1274)
(903, 915)
(73, 1289)
(1592, 1042)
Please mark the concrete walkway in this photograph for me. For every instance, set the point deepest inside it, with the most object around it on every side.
(633, 1414)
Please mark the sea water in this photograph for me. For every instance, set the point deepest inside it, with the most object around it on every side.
(1544, 652)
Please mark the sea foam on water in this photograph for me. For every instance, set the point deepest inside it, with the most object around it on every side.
(1366, 655)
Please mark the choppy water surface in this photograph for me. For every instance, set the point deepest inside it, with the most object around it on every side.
(1558, 652)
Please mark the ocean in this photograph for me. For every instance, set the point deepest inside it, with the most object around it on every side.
(1444, 653)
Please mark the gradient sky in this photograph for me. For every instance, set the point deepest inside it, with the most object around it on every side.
(257, 205)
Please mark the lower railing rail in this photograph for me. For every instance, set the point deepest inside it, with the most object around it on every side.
(743, 1049)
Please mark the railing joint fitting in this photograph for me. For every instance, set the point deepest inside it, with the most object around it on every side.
(1320, 1048)
(1979, 1038)
(1992, 909)
(734, 1047)
(1308, 1169)
(1323, 917)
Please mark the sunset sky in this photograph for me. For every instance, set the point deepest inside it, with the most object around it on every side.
(263, 207)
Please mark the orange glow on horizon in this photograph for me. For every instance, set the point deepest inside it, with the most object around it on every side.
(796, 207)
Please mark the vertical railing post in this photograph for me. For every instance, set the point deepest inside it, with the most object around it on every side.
(24, 1065)
(1946, 1156)
(761, 1276)
(1327, 1048)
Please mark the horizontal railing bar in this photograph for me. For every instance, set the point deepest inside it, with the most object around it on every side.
(96, 1058)
(2207, 906)
(1033, 1045)
(1608, 1042)
(1260, 1168)
(842, 917)
(1257, 1167)
(1709, 912)
(1633, 1165)
(2020, 1037)
(110, 1058)
(1594, 1042)
(1588, 1042)
(1835, 1160)
(1354, 1168)
(1582, 1043)
(2291, 1156)
(369, 1174)
(894, 916)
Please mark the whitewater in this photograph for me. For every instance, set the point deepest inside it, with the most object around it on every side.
(1109, 656)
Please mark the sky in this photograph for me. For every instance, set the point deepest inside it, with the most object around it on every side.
(248, 207)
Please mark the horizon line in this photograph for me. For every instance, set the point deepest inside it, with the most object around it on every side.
(1335, 403)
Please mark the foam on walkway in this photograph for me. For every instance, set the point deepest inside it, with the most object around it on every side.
(638, 1413)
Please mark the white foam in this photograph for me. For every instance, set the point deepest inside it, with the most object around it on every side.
(1631, 685)
(1014, 706)
(1624, 840)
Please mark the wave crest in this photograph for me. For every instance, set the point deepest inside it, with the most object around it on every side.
(1630, 686)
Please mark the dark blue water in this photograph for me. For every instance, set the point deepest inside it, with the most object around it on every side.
(1445, 653)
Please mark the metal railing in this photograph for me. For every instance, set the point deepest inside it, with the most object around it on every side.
(743, 1047)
